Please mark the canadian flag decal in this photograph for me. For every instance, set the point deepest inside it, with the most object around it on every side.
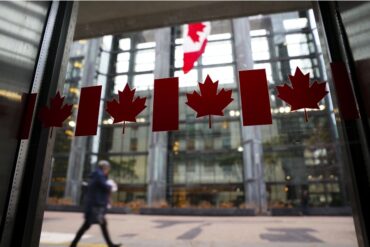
(195, 41)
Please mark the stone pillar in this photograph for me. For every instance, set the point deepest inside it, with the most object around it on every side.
(157, 158)
(254, 185)
(77, 153)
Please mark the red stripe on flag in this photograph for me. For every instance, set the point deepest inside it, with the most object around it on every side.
(346, 100)
(88, 111)
(166, 104)
(254, 95)
(29, 100)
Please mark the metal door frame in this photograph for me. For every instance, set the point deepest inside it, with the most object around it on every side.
(30, 179)
(355, 132)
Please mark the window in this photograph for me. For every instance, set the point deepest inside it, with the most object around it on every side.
(135, 60)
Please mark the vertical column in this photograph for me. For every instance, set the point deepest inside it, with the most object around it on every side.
(157, 158)
(77, 154)
(254, 185)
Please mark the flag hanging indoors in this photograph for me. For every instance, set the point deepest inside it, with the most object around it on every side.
(195, 41)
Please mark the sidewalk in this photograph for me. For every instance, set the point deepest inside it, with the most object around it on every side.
(174, 231)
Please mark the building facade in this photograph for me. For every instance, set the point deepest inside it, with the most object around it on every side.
(225, 166)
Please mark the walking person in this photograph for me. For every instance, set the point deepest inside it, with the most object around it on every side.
(96, 202)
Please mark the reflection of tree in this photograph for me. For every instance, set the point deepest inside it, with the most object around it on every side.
(320, 135)
(302, 155)
(124, 169)
(271, 159)
(321, 140)
(227, 161)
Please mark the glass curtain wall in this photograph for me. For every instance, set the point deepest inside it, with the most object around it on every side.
(299, 157)
(64, 135)
(132, 61)
(205, 166)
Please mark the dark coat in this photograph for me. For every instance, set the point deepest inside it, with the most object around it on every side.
(97, 191)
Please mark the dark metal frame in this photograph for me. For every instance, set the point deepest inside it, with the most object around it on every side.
(34, 183)
(7, 221)
(356, 132)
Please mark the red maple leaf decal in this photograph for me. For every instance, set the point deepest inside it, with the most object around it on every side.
(193, 30)
(209, 102)
(301, 95)
(54, 115)
(128, 108)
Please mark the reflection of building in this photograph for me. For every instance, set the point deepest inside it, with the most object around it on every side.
(228, 165)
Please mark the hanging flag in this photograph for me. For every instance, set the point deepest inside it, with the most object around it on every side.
(88, 111)
(195, 41)
(254, 94)
(166, 104)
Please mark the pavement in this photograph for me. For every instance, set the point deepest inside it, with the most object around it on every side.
(193, 231)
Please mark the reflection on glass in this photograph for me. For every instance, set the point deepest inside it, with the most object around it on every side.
(297, 44)
(189, 79)
(297, 23)
(260, 48)
(120, 83)
(144, 60)
(145, 45)
(205, 166)
(217, 52)
(267, 67)
(128, 169)
(143, 81)
(122, 66)
(223, 75)
(220, 36)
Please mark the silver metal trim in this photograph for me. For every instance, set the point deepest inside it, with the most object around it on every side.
(23, 148)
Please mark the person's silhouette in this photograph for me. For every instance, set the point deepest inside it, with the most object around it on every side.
(96, 203)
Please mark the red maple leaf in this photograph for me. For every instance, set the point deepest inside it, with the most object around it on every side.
(209, 102)
(128, 108)
(301, 95)
(54, 115)
(193, 30)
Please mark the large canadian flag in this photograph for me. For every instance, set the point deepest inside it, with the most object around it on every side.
(195, 41)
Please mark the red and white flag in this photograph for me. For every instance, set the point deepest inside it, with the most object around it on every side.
(195, 41)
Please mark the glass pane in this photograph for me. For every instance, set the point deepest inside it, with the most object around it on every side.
(131, 169)
(125, 44)
(218, 52)
(120, 83)
(144, 60)
(143, 81)
(297, 44)
(290, 167)
(260, 48)
(189, 79)
(123, 57)
(224, 75)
